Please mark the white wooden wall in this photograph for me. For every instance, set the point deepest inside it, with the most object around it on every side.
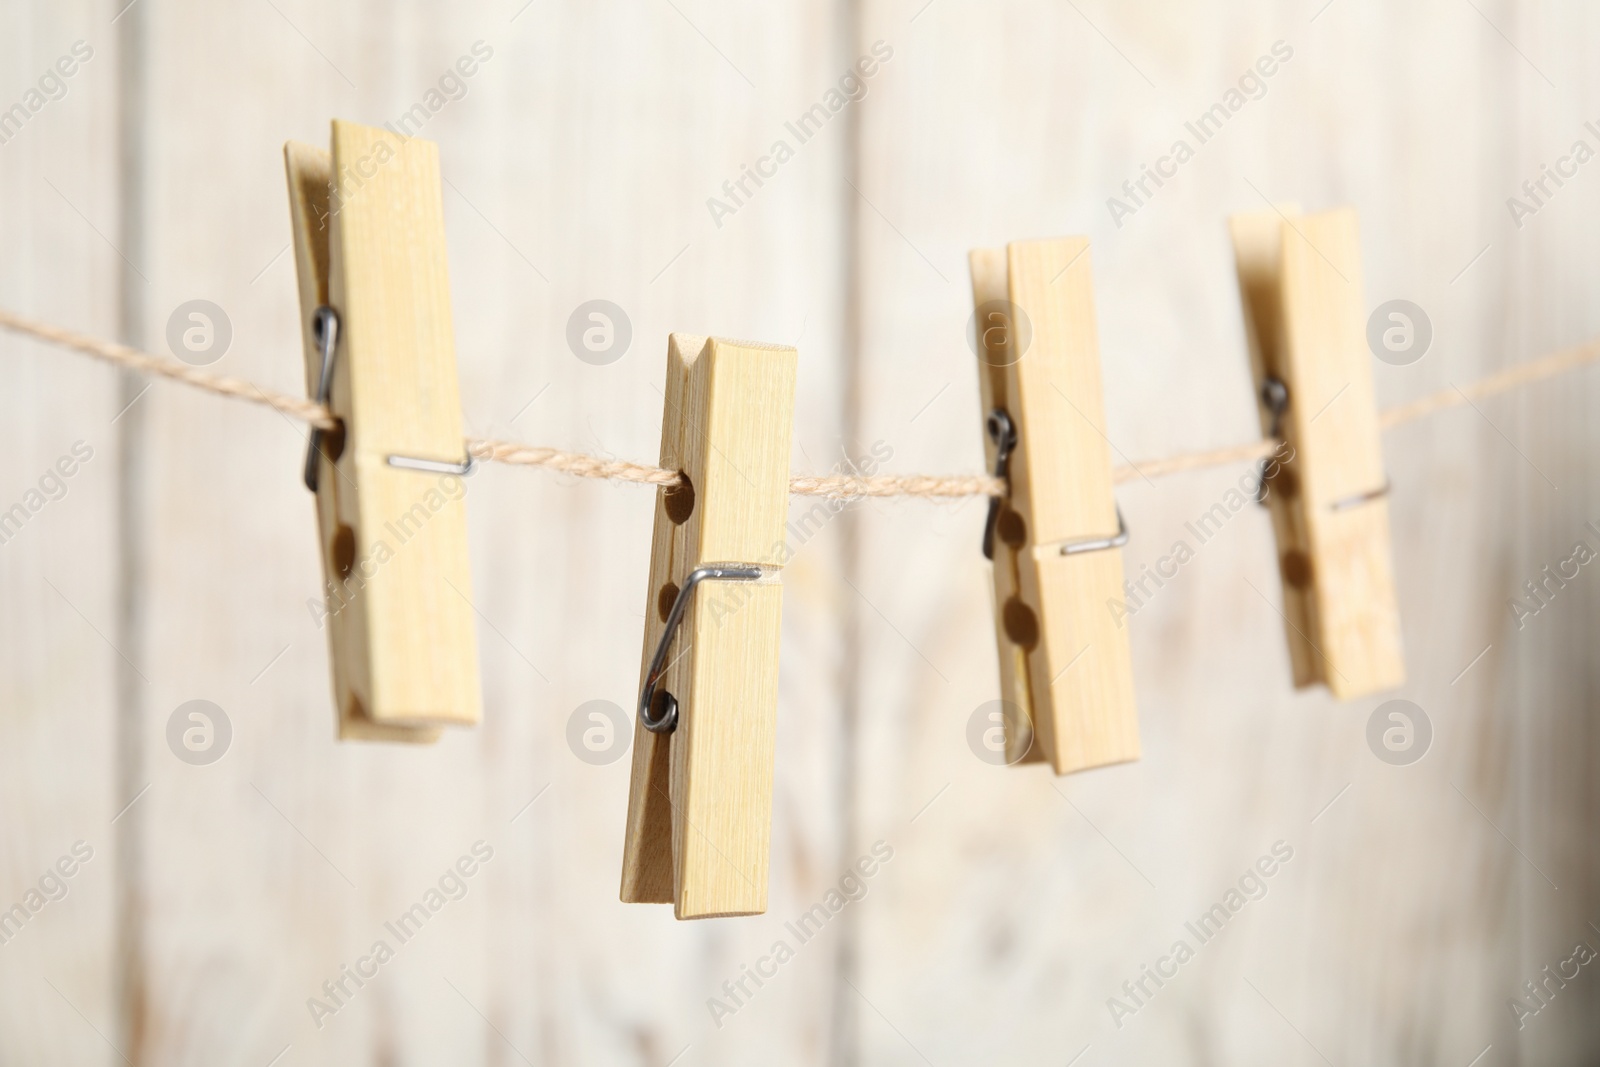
(179, 562)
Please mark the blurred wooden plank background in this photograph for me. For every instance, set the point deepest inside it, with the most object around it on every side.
(59, 760)
(580, 156)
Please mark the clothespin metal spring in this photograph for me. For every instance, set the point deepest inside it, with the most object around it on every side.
(325, 328)
(1003, 433)
(436, 466)
(1361, 498)
(1096, 544)
(667, 720)
(1275, 398)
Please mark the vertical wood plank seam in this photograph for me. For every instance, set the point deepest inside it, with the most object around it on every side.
(129, 989)
(844, 1035)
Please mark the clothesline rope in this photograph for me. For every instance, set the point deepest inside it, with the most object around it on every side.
(584, 465)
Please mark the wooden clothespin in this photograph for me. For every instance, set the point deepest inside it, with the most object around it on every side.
(700, 798)
(380, 352)
(1056, 537)
(1300, 281)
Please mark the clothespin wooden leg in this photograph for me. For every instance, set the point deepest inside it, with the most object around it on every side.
(1055, 538)
(700, 797)
(1300, 281)
(369, 245)
(995, 326)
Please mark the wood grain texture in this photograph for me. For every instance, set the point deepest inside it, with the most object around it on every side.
(579, 163)
(727, 426)
(647, 852)
(1341, 615)
(1335, 426)
(988, 269)
(245, 916)
(1016, 913)
(1057, 609)
(1258, 262)
(60, 950)
(310, 174)
(394, 385)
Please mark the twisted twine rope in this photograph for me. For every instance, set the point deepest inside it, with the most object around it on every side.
(583, 465)
(121, 355)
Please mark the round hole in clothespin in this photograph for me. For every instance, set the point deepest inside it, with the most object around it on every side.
(332, 441)
(344, 551)
(679, 501)
(1296, 567)
(1283, 480)
(664, 602)
(1020, 623)
(1011, 527)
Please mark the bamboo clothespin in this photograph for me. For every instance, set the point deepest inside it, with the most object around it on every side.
(1055, 537)
(1300, 281)
(380, 353)
(700, 796)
